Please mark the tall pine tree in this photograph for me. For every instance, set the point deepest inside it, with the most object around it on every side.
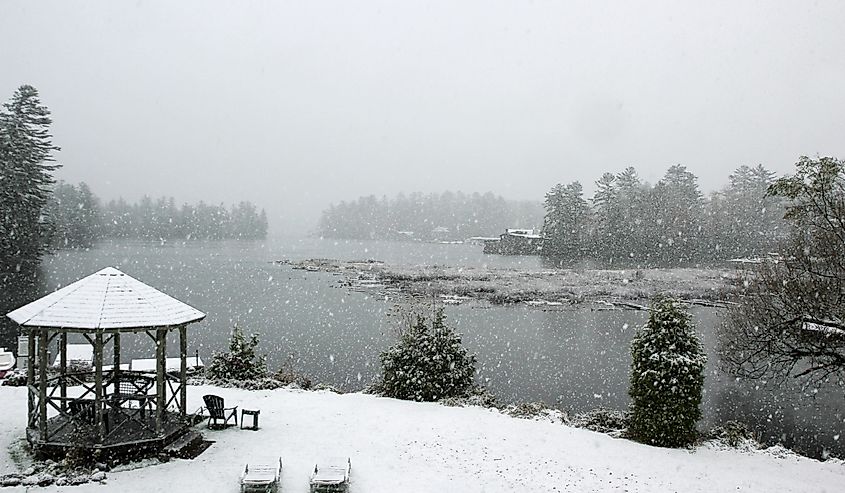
(75, 213)
(566, 225)
(677, 214)
(26, 167)
(608, 219)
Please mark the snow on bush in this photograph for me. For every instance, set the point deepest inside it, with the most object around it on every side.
(602, 420)
(734, 434)
(241, 362)
(475, 396)
(429, 363)
(667, 376)
(536, 411)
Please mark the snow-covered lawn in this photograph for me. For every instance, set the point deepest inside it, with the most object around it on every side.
(405, 446)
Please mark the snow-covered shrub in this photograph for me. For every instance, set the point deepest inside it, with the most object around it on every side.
(536, 411)
(602, 420)
(263, 383)
(475, 396)
(16, 378)
(289, 374)
(241, 362)
(429, 363)
(733, 434)
(667, 376)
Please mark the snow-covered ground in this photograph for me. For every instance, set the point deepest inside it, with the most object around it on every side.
(405, 446)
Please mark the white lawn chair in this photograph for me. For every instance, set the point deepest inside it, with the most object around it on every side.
(331, 475)
(262, 476)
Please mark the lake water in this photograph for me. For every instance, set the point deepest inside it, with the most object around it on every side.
(577, 359)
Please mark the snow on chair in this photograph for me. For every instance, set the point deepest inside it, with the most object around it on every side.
(331, 475)
(218, 411)
(262, 476)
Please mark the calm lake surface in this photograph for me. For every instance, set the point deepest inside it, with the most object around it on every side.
(577, 359)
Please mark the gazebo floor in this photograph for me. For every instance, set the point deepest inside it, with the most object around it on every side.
(128, 432)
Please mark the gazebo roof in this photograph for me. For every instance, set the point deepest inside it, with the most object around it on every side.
(106, 300)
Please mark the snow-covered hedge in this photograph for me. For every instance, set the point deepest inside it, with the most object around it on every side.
(667, 376)
(428, 364)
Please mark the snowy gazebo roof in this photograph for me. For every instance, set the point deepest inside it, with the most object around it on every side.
(106, 300)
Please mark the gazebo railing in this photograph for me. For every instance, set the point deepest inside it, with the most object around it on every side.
(119, 388)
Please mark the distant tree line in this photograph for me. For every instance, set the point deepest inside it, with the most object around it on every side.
(448, 215)
(161, 218)
(628, 222)
(37, 214)
(80, 220)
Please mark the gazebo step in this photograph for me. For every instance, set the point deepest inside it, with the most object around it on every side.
(184, 446)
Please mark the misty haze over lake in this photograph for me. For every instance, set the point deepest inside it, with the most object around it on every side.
(297, 105)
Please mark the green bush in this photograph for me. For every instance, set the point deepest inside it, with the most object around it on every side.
(667, 376)
(241, 362)
(429, 363)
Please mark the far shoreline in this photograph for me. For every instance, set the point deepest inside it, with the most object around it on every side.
(544, 288)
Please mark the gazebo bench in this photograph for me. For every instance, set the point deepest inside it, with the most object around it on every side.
(134, 388)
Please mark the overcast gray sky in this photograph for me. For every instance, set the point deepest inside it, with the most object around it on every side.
(297, 104)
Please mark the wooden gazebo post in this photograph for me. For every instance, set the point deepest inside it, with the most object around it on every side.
(63, 370)
(116, 355)
(161, 371)
(183, 369)
(42, 383)
(30, 375)
(98, 385)
(100, 308)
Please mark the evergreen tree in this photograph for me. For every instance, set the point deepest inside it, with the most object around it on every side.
(75, 214)
(241, 362)
(677, 206)
(608, 219)
(428, 363)
(554, 224)
(667, 376)
(632, 195)
(566, 225)
(90, 215)
(751, 214)
(26, 166)
(262, 225)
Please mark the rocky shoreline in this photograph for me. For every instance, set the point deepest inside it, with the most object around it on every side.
(54, 473)
(540, 288)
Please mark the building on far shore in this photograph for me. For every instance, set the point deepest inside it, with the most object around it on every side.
(515, 242)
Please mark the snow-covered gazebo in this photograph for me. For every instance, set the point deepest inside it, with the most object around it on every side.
(105, 407)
